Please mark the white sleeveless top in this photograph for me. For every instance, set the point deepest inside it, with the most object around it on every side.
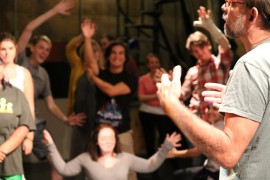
(18, 81)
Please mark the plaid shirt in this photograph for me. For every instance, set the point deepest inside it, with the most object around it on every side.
(215, 70)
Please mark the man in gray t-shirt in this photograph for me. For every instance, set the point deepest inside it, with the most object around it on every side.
(42, 90)
(243, 146)
(247, 95)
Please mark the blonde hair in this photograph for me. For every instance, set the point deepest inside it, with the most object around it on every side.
(100, 60)
(196, 38)
(38, 38)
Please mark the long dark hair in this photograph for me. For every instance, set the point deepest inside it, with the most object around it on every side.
(6, 36)
(93, 147)
(108, 52)
(4, 82)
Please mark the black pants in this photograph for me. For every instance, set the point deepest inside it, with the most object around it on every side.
(195, 173)
(152, 122)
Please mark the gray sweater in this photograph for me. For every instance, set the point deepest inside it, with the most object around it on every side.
(95, 171)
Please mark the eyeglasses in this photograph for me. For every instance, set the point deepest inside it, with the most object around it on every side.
(228, 3)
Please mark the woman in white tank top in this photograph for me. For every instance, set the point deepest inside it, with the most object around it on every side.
(18, 80)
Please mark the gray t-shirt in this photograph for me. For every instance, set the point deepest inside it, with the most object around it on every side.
(94, 170)
(14, 112)
(247, 95)
(42, 87)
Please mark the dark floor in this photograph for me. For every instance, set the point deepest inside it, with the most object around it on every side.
(37, 171)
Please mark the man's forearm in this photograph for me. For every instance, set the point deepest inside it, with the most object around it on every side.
(209, 140)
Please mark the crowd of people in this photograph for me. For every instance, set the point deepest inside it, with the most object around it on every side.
(226, 119)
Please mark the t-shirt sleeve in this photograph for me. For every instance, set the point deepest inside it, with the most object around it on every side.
(246, 93)
(70, 168)
(154, 162)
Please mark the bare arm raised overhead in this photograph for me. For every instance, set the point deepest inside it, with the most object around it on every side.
(205, 21)
(63, 7)
(88, 29)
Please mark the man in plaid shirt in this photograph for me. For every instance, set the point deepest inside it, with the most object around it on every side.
(209, 68)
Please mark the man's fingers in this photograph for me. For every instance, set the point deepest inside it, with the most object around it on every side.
(169, 87)
(217, 105)
(212, 100)
(215, 94)
(215, 86)
(230, 73)
(158, 85)
(176, 82)
(177, 72)
(165, 79)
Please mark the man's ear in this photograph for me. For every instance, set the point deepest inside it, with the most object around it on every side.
(253, 14)
(251, 18)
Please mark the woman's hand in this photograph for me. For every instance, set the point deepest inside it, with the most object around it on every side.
(47, 138)
(2, 156)
(174, 139)
(158, 74)
(27, 146)
(88, 28)
(76, 119)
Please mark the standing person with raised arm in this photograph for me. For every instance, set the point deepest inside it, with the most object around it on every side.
(75, 56)
(242, 147)
(115, 87)
(131, 65)
(40, 47)
(82, 93)
(209, 67)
